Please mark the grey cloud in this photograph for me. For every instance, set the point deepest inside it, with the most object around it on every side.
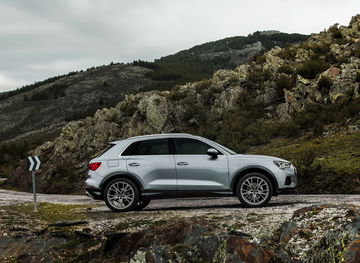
(41, 38)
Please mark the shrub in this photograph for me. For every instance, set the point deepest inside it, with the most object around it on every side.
(176, 94)
(285, 69)
(335, 32)
(325, 84)
(283, 82)
(53, 92)
(357, 78)
(260, 59)
(321, 49)
(257, 76)
(203, 84)
(310, 68)
(145, 64)
(288, 53)
(355, 52)
(330, 58)
(306, 158)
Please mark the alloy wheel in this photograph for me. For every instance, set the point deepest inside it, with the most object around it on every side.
(120, 195)
(254, 190)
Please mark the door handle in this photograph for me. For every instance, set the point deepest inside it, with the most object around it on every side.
(182, 163)
(134, 164)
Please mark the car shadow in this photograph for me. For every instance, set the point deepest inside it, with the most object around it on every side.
(220, 206)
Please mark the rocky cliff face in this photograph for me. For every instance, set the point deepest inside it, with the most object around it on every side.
(233, 107)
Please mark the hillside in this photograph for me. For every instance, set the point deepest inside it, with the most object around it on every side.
(302, 92)
(39, 110)
(67, 98)
(203, 60)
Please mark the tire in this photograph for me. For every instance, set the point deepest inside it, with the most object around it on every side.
(142, 204)
(254, 190)
(121, 195)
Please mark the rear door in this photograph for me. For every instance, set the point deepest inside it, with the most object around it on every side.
(151, 161)
(196, 170)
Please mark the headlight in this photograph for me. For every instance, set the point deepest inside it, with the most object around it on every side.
(282, 165)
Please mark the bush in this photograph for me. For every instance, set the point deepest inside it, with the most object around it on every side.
(288, 53)
(355, 52)
(321, 49)
(145, 64)
(283, 82)
(325, 84)
(306, 158)
(53, 92)
(285, 69)
(357, 78)
(310, 68)
(335, 32)
(257, 76)
(203, 84)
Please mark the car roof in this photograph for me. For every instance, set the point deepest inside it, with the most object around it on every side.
(156, 136)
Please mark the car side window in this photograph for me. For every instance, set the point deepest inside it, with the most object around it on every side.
(191, 146)
(148, 147)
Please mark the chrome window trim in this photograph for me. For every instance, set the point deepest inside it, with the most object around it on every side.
(131, 141)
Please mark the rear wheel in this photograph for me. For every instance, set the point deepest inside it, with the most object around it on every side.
(254, 190)
(142, 204)
(121, 195)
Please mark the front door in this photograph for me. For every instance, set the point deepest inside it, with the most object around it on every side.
(196, 170)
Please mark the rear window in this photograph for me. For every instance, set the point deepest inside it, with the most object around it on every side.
(148, 147)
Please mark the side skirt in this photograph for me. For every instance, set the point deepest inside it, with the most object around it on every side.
(164, 194)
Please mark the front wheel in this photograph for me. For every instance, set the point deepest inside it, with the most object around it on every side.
(254, 190)
(121, 195)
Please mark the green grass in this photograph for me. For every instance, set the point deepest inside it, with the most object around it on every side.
(47, 213)
(339, 152)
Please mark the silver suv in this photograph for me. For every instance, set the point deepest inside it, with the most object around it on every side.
(133, 171)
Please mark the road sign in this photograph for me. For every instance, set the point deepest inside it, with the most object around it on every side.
(33, 163)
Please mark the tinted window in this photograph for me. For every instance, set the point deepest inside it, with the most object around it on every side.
(191, 146)
(148, 147)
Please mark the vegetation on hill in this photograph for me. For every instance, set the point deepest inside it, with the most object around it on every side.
(33, 86)
(201, 61)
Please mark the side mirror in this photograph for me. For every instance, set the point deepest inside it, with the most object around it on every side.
(212, 152)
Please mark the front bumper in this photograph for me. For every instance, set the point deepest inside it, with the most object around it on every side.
(94, 193)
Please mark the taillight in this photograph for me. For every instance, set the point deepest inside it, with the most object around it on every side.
(94, 166)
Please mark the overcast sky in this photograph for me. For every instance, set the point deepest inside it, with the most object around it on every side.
(44, 38)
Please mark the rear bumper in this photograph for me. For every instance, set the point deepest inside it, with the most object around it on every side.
(94, 193)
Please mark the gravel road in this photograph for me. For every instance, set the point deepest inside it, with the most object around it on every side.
(284, 201)
(226, 212)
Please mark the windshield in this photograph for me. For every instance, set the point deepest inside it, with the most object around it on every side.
(226, 149)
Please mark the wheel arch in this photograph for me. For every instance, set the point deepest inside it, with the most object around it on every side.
(254, 169)
(113, 176)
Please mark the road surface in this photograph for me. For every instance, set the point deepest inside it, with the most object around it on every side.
(284, 201)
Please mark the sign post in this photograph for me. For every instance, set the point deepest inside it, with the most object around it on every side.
(33, 163)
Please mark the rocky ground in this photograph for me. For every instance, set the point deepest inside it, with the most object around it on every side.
(75, 229)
